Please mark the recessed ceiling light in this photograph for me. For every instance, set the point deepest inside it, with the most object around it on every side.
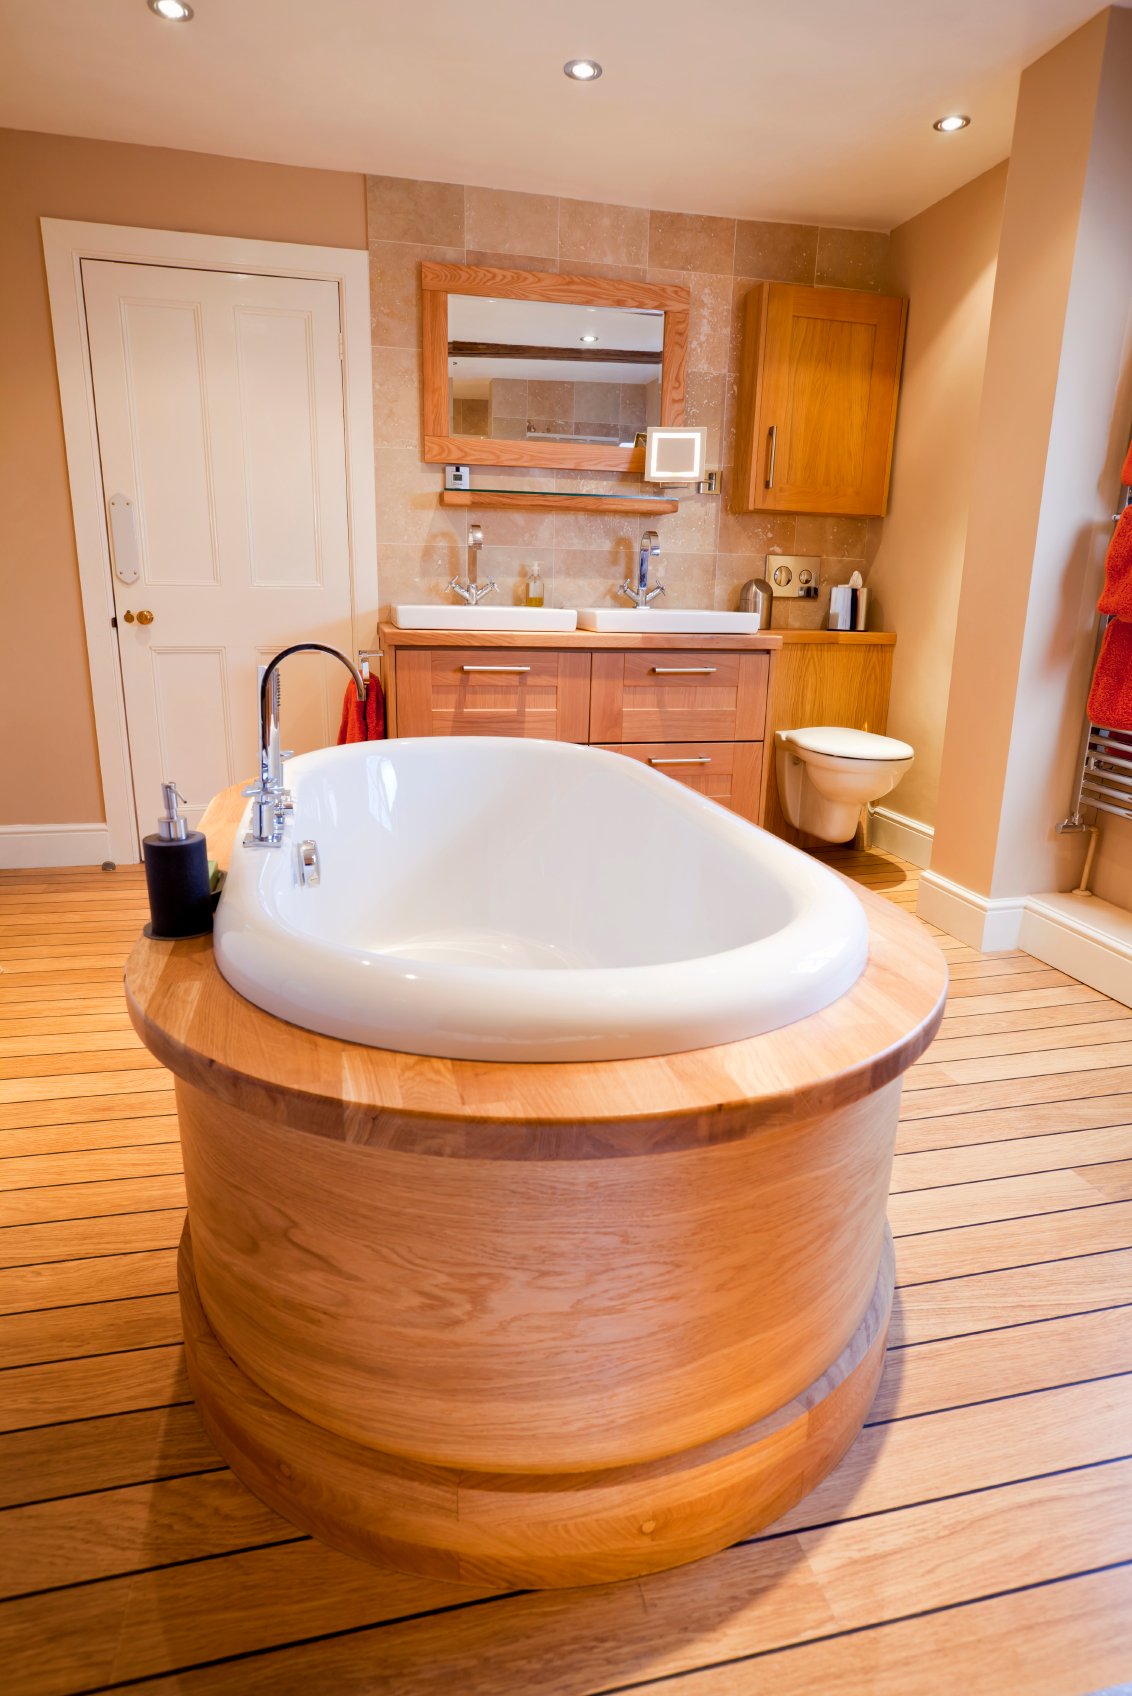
(956, 121)
(173, 11)
(587, 338)
(582, 70)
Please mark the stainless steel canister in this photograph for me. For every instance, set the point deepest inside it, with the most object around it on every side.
(757, 596)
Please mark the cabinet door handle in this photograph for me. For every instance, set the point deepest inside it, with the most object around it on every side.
(495, 668)
(682, 670)
(772, 447)
(687, 760)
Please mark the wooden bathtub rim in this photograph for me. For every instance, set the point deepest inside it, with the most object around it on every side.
(510, 1528)
(203, 1031)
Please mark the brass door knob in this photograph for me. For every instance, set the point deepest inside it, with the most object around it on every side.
(142, 617)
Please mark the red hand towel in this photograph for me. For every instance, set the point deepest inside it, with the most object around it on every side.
(1126, 473)
(1110, 698)
(1116, 596)
(363, 723)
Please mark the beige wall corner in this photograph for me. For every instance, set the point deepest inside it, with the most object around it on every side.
(1048, 449)
(944, 261)
(50, 763)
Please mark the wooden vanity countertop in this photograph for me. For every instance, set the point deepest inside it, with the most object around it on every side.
(209, 1035)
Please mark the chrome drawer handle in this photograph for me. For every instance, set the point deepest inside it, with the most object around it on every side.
(772, 443)
(495, 668)
(688, 760)
(682, 670)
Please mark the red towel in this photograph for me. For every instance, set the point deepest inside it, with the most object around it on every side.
(1116, 596)
(1126, 473)
(363, 723)
(1110, 698)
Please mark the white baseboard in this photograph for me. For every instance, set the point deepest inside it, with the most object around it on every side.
(1088, 938)
(986, 922)
(30, 845)
(909, 839)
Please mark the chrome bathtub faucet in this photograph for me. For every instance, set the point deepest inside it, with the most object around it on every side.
(271, 800)
(639, 593)
(472, 592)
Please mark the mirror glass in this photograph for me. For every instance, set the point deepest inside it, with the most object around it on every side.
(535, 370)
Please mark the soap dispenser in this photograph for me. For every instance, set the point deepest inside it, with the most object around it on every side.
(176, 874)
(535, 590)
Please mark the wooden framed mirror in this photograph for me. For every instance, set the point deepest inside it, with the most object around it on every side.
(532, 368)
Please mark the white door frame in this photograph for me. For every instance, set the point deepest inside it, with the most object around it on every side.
(65, 245)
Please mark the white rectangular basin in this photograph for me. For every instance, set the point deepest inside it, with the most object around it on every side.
(485, 618)
(651, 621)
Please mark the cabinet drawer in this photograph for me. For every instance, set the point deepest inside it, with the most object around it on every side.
(679, 696)
(493, 692)
(727, 772)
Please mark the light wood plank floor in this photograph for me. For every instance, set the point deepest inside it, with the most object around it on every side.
(977, 1539)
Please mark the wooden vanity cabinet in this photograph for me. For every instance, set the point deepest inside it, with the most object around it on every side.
(728, 772)
(817, 400)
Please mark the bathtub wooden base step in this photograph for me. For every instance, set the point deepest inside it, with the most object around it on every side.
(524, 1528)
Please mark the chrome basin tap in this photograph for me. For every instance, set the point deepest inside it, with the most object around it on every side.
(271, 801)
(639, 592)
(472, 592)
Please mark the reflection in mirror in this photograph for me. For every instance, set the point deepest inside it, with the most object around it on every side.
(536, 370)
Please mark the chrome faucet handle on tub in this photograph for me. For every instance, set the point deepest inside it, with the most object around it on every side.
(271, 800)
(473, 591)
(639, 592)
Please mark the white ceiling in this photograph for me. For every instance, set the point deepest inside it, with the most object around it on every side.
(807, 110)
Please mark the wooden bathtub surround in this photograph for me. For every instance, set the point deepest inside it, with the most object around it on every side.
(705, 706)
(543, 1324)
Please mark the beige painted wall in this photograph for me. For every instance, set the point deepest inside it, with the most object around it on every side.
(1052, 431)
(48, 758)
(707, 551)
(944, 261)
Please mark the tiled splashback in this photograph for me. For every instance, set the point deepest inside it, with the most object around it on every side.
(707, 551)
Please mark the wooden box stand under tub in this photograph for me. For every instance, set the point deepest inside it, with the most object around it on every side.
(535, 1324)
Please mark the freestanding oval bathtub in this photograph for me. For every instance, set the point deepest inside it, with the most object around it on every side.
(491, 898)
(545, 1323)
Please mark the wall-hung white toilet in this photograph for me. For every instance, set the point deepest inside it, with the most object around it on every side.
(827, 773)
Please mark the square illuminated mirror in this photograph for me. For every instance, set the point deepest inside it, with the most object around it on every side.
(675, 455)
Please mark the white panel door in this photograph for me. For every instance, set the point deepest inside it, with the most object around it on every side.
(221, 434)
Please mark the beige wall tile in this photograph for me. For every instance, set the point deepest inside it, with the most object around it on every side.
(509, 397)
(510, 567)
(615, 273)
(510, 527)
(396, 397)
(691, 241)
(597, 403)
(752, 532)
(836, 568)
(395, 289)
(689, 580)
(402, 209)
(851, 259)
(408, 499)
(709, 324)
(836, 536)
(778, 253)
(508, 222)
(496, 260)
(740, 289)
(602, 234)
(550, 400)
(692, 529)
(731, 572)
(408, 574)
(610, 531)
(591, 577)
(703, 408)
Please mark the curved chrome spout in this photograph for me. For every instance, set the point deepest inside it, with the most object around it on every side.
(270, 798)
(639, 592)
(471, 592)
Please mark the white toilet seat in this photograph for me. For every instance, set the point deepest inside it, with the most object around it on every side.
(838, 742)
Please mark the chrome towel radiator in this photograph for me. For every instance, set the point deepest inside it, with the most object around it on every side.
(1105, 766)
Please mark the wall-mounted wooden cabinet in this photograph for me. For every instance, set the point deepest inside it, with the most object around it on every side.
(817, 400)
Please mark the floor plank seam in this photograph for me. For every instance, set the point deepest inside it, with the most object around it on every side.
(989, 1401)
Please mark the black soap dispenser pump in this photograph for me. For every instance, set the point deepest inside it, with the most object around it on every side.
(176, 874)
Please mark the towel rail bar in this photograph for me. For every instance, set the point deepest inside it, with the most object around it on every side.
(1105, 755)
